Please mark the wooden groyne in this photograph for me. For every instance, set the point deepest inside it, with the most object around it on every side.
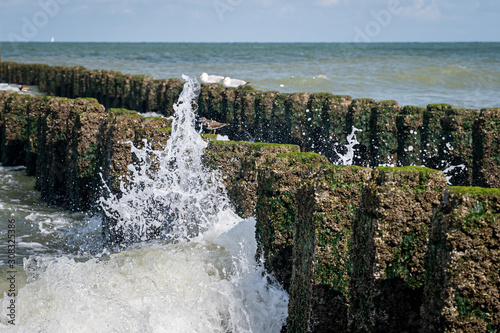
(359, 248)
(464, 142)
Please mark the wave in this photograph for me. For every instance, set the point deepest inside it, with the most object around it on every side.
(405, 72)
(452, 76)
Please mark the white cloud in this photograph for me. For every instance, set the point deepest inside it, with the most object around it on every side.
(326, 3)
(422, 9)
(80, 9)
(13, 3)
(288, 9)
(196, 14)
(266, 3)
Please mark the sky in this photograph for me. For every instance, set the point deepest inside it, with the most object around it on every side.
(250, 20)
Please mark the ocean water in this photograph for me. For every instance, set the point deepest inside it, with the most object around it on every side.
(461, 74)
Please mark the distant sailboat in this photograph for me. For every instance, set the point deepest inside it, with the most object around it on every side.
(52, 40)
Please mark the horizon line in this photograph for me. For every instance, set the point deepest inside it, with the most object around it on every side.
(252, 42)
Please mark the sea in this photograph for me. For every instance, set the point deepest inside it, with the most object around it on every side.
(465, 75)
(57, 275)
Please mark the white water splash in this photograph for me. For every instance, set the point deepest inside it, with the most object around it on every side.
(449, 171)
(211, 283)
(348, 157)
(169, 193)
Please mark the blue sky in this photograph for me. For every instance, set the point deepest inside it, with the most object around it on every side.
(250, 20)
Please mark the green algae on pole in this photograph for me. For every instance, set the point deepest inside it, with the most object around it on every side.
(462, 281)
(326, 203)
(390, 234)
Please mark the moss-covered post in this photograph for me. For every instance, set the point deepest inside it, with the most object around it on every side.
(59, 81)
(134, 101)
(91, 84)
(325, 207)
(162, 86)
(42, 78)
(27, 74)
(238, 162)
(334, 115)
(276, 210)
(84, 83)
(82, 181)
(359, 116)
(244, 113)
(3, 68)
(410, 124)
(51, 81)
(15, 137)
(126, 91)
(67, 82)
(280, 129)
(229, 112)
(4, 96)
(317, 136)
(146, 93)
(151, 97)
(6, 70)
(13, 72)
(109, 89)
(432, 134)
(140, 84)
(55, 127)
(295, 118)
(264, 104)
(390, 234)
(34, 109)
(117, 101)
(462, 292)
(456, 146)
(486, 153)
(118, 129)
(212, 102)
(174, 88)
(19, 72)
(384, 134)
(78, 82)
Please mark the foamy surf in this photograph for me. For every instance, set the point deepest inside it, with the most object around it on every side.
(198, 286)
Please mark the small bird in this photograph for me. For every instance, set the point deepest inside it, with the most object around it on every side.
(24, 89)
(233, 83)
(205, 78)
(212, 125)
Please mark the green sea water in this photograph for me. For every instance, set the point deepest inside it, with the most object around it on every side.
(461, 74)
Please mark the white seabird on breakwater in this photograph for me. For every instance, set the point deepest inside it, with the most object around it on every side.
(233, 83)
(205, 78)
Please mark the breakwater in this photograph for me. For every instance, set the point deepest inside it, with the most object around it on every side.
(462, 142)
(358, 248)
